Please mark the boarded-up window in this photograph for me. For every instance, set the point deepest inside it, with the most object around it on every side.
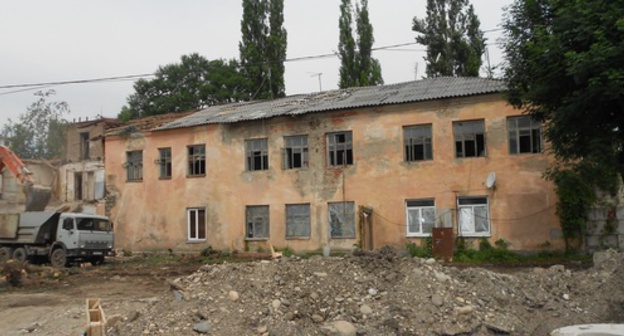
(134, 165)
(421, 217)
(342, 219)
(257, 222)
(297, 220)
(196, 222)
(473, 216)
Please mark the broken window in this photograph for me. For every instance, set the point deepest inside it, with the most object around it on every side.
(342, 219)
(196, 222)
(473, 216)
(257, 221)
(134, 165)
(257, 154)
(469, 138)
(525, 135)
(297, 221)
(295, 153)
(84, 146)
(417, 142)
(196, 160)
(421, 217)
(164, 162)
(340, 148)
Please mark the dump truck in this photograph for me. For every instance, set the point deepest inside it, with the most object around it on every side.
(62, 239)
(37, 196)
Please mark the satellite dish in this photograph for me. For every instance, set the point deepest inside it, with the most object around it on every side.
(491, 180)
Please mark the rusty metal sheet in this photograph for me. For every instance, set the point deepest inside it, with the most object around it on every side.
(443, 243)
(8, 226)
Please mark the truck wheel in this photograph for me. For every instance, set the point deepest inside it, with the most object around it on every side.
(97, 260)
(5, 254)
(58, 258)
(20, 254)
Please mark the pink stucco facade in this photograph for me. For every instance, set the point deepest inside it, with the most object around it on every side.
(151, 214)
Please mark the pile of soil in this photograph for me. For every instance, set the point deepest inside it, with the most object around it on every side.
(380, 293)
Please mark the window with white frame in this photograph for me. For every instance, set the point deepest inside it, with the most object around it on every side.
(341, 219)
(297, 221)
(417, 143)
(340, 148)
(525, 135)
(196, 223)
(469, 138)
(473, 216)
(257, 154)
(295, 152)
(134, 165)
(420, 217)
(257, 217)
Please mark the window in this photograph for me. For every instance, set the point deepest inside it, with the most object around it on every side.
(295, 154)
(473, 216)
(257, 154)
(297, 220)
(342, 219)
(196, 222)
(164, 162)
(257, 222)
(525, 135)
(78, 186)
(417, 141)
(340, 148)
(421, 217)
(196, 160)
(84, 145)
(469, 138)
(134, 165)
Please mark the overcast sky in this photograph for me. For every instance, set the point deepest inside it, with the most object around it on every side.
(49, 41)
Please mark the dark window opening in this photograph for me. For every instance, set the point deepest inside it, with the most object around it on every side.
(417, 142)
(84, 146)
(295, 152)
(469, 139)
(340, 148)
(196, 160)
(164, 162)
(525, 135)
(257, 152)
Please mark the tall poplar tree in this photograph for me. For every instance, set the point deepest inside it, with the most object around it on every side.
(263, 48)
(451, 32)
(357, 66)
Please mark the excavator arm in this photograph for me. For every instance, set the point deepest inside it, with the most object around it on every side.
(37, 197)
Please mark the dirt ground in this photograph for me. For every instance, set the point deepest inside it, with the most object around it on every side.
(380, 293)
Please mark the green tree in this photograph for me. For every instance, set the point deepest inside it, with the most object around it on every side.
(455, 43)
(40, 131)
(357, 66)
(565, 67)
(193, 83)
(263, 48)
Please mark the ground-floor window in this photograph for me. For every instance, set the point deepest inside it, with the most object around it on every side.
(297, 220)
(342, 219)
(420, 217)
(473, 216)
(196, 222)
(257, 222)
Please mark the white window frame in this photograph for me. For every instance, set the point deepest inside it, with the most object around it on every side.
(194, 212)
(419, 209)
(466, 226)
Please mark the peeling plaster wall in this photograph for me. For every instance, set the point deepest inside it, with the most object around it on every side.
(92, 173)
(151, 214)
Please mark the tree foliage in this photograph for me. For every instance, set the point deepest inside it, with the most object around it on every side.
(263, 48)
(193, 83)
(451, 32)
(40, 131)
(565, 67)
(357, 66)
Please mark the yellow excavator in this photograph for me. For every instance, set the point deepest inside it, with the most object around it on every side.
(37, 196)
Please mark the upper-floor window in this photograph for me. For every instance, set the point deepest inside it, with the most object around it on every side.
(420, 217)
(525, 135)
(340, 148)
(134, 165)
(295, 154)
(469, 138)
(84, 145)
(473, 216)
(417, 142)
(257, 152)
(164, 162)
(196, 160)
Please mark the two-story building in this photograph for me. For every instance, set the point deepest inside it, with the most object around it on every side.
(366, 166)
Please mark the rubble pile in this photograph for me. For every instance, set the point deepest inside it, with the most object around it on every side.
(379, 293)
(23, 274)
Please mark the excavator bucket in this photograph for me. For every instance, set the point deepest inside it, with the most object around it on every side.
(37, 197)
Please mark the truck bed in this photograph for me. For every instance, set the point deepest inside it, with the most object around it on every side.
(35, 227)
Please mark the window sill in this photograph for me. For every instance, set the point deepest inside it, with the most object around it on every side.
(418, 161)
(342, 237)
(340, 166)
(418, 235)
(133, 181)
(165, 178)
(257, 239)
(257, 170)
(472, 157)
(298, 238)
(474, 235)
(524, 154)
(195, 176)
(196, 241)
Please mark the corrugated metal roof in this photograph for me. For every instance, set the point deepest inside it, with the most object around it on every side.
(145, 123)
(422, 90)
